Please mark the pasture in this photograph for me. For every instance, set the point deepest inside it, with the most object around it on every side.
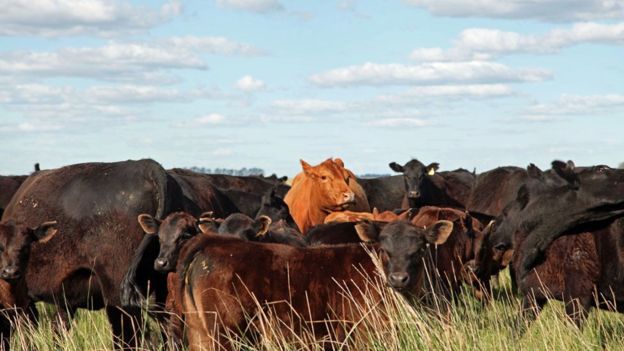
(466, 326)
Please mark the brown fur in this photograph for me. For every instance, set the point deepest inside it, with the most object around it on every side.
(576, 268)
(459, 248)
(219, 289)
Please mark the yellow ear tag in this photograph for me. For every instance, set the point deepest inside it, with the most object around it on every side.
(431, 172)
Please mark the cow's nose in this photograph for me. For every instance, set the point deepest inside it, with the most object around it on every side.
(161, 263)
(11, 272)
(348, 197)
(413, 194)
(399, 280)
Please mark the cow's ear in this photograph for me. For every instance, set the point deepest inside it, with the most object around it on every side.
(148, 223)
(305, 166)
(523, 196)
(396, 167)
(489, 228)
(207, 225)
(262, 225)
(432, 168)
(367, 231)
(534, 171)
(339, 162)
(45, 231)
(439, 232)
(566, 171)
(207, 215)
(375, 212)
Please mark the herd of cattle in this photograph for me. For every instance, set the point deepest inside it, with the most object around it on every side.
(209, 251)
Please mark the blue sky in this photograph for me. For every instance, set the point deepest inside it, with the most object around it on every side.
(263, 83)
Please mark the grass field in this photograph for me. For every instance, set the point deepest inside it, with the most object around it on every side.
(466, 325)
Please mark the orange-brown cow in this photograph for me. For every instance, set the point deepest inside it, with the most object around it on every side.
(352, 216)
(321, 189)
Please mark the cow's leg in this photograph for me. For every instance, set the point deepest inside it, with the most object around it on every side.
(63, 318)
(531, 308)
(577, 309)
(126, 325)
(6, 329)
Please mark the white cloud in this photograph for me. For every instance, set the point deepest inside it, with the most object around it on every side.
(542, 10)
(399, 122)
(121, 61)
(482, 43)
(258, 6)
(213, 118)
(578, 105)
(75, 17)
(478, 91)
(426, 73)
(308, 106)
(249, 84)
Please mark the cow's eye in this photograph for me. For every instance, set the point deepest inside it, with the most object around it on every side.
(185, 235)
(323, 178)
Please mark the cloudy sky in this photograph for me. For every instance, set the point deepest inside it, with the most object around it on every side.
(263, 83)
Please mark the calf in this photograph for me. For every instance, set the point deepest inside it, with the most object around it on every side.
(219, 290)
(15, 242)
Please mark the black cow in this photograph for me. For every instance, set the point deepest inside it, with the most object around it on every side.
(424, 186)
(584, 269)
(590, 195)
(493, 190)
(96, 205)
(251, 184)
(384, 193)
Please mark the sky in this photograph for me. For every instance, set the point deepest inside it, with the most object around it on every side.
(264, 83)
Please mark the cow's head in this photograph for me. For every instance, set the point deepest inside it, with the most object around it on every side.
(404, 248)
(172, 232)
(15, 241)
(330, 184)
(244, 227)
(416, 175)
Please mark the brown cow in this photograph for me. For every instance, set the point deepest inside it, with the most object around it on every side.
(321, 189)
(15, 242)
(8, 187)
(460, 248)
(583, 269)
(219, 290)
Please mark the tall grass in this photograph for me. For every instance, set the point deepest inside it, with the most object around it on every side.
(465, 324)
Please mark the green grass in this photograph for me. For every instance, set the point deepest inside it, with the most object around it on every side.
(464, 325)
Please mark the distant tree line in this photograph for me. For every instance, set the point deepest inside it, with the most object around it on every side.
(621, 165)
(254, 171)
(373, 175)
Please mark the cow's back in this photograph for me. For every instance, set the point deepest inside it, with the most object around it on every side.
(384, 193)
(494, 189)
